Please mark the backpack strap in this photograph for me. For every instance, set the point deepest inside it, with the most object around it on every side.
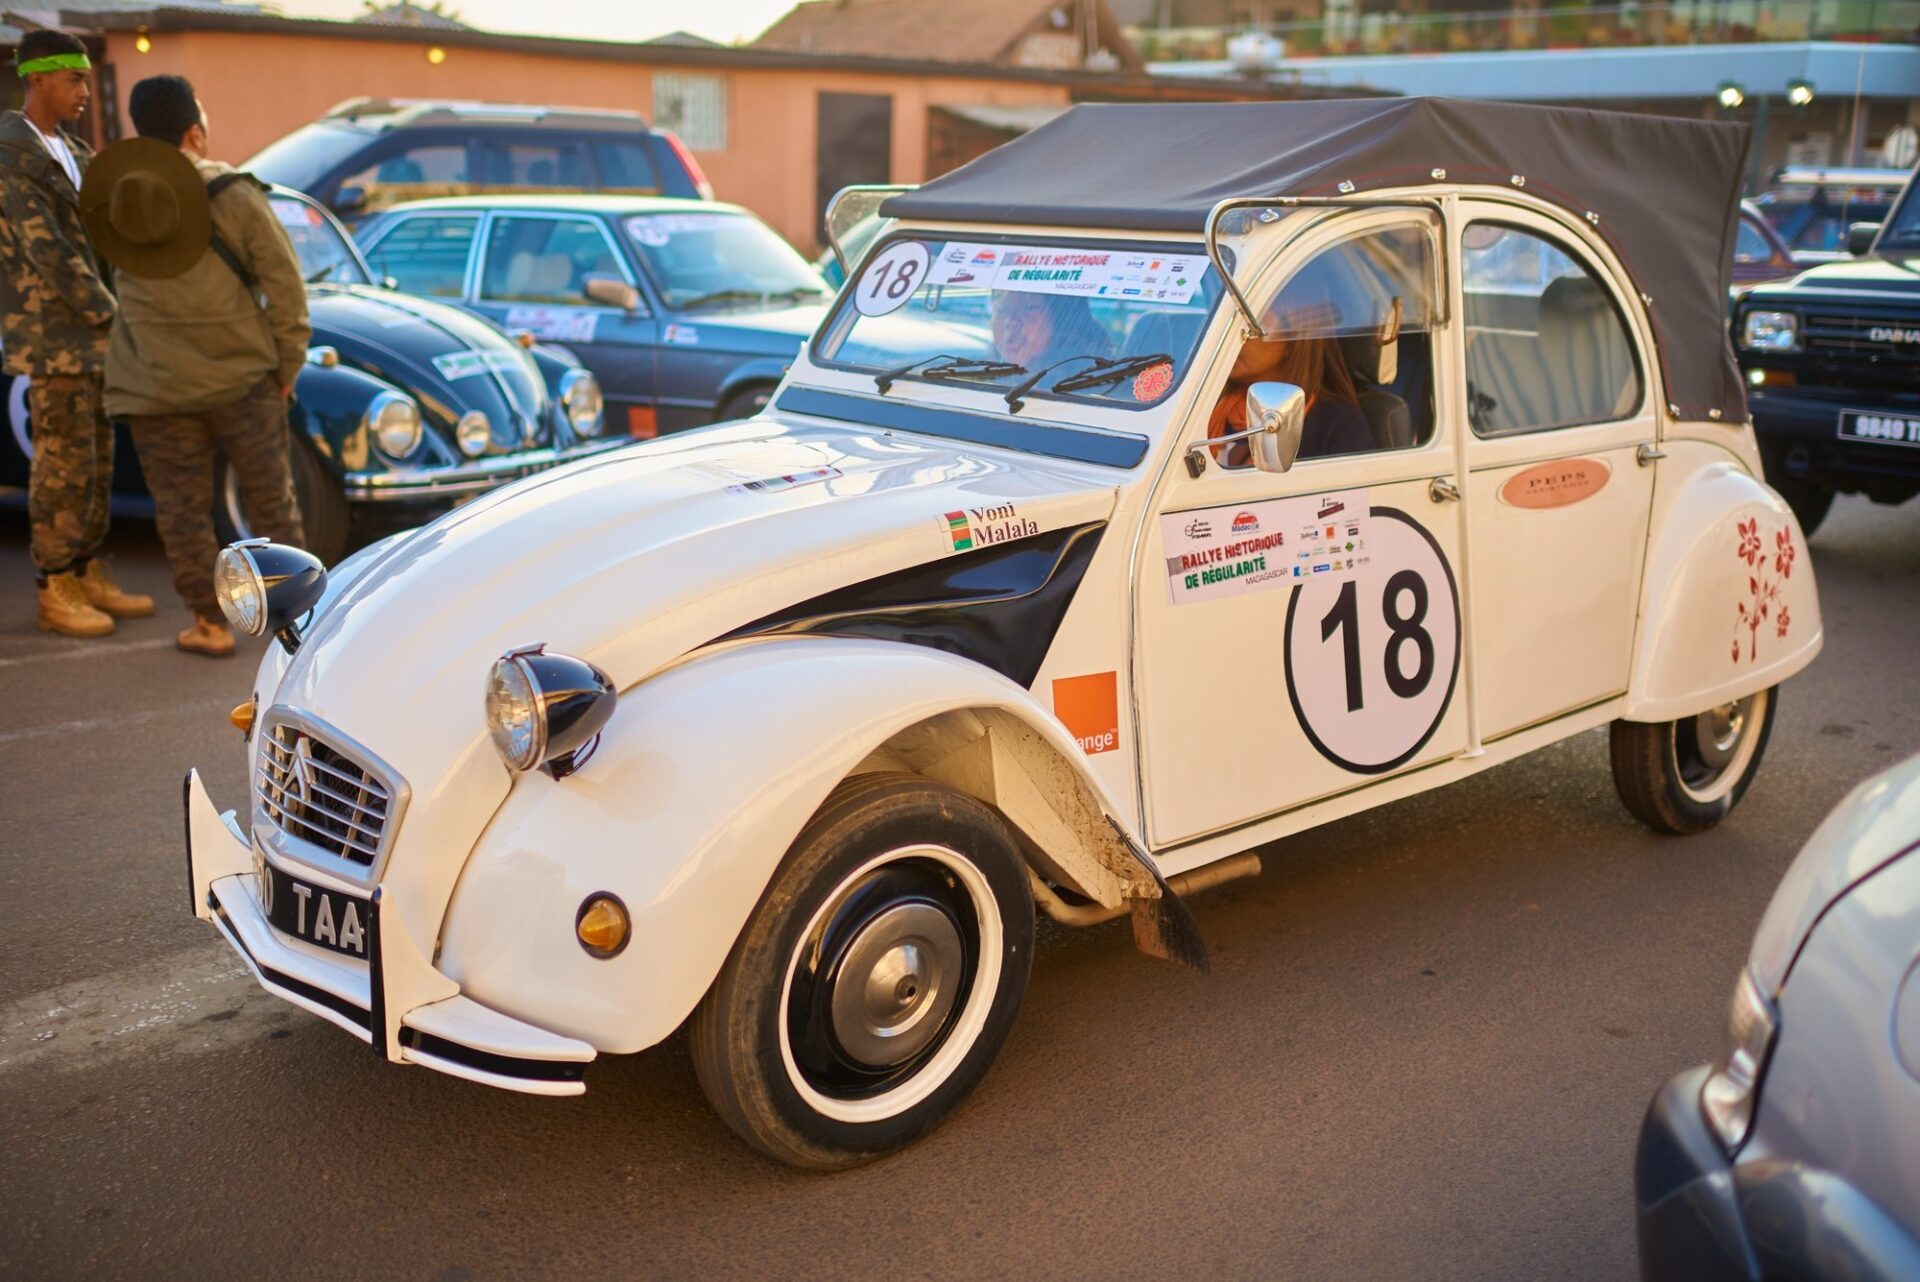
(220, 246)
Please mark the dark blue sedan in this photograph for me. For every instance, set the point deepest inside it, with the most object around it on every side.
(687, 311)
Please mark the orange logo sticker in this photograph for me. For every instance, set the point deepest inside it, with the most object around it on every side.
(1556, 484)
(1089, 707)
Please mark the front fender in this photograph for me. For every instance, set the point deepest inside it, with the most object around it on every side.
(330, 406)
(1728, 605)
(701, 782)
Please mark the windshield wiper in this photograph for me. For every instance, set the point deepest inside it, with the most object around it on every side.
(1015, 395)
(322, 274)
(955, 367)
(1111, 371)
(750, 295)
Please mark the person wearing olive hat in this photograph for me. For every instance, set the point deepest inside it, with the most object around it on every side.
(211, 333)
(55, 308)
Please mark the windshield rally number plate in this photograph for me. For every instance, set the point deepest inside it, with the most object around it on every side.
(1372, 660)
(891, 278)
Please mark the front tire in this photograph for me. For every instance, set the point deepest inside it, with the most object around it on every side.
(875, 982)
(1686, 776)
(744, 404)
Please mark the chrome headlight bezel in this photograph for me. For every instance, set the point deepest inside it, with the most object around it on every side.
(1770, 331)
(473, 433)
(582, 401)
(263, 587)
(1732, 1087)
(546, 710)
(393, 423)
(238, 589)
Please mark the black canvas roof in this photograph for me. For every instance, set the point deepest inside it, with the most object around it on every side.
(1665, 192)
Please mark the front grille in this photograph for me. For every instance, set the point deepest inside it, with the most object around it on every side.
(313, 791)
(1871, 337)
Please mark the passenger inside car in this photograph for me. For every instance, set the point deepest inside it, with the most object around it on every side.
(1316, 365)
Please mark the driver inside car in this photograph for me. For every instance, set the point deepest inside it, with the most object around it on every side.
(1039, 330)
(1311, 362)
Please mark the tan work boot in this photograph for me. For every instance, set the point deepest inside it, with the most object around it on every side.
(215, 640)
(106, 596)
(64, 608)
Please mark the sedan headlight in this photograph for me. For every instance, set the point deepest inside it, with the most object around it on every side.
(474, 432)
(1728, 1097)
(580, 397)
(264, 587)
(546, 709)
(394, 420)
(1770, 332)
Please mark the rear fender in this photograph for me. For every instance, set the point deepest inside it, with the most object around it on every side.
(703, 779)
(1728, 605)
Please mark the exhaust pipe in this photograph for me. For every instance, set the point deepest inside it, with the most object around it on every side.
(1185, 885)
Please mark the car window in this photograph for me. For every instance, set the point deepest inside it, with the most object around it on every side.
(545, 260)
(1546, 346)
(1350, 328)
(626, 168)
(533, 166)
(426, 255)
(1750, 245)
(416, 173)
(318, 242)
(719, 259)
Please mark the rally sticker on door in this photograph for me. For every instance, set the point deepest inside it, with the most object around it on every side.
(1227, 551)
(1372, 660)
(553, 324)
(1556, 484)
(1089, 707)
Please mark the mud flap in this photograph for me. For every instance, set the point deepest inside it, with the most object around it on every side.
(1163, 925)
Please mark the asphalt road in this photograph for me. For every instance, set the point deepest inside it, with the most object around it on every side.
(1424, 1051)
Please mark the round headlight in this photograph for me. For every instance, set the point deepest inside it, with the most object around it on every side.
(515, 718)
(237, 587)
(585, 406)
(546, 709)
(474, 432)
(395, 423)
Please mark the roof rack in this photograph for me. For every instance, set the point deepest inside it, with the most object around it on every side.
(393, 112)
(1834, 176)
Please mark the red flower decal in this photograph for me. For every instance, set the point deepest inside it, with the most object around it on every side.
(1783, 554)
(1763, 589)
(1782, 623)
(1152, 382)
(1750, 541)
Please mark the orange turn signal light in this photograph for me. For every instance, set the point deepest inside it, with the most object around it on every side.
(602, 925)
(242, 717)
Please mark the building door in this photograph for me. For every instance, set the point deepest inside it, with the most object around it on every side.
(854, 145)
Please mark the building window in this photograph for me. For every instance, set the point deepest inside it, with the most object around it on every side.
(694, 107)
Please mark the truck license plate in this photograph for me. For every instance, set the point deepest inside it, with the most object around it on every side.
(312, 914)
(1880, 429)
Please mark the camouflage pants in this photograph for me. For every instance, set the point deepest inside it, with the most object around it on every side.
(68, 488)
(176, 452)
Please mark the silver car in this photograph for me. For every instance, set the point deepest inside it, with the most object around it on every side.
(1797, 1153)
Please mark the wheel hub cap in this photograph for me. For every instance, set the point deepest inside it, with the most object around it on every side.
(1718, 731)
(897, 984)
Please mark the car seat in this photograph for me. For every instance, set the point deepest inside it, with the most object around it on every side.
(1388, 417)
(1584, 353)
(541, 276)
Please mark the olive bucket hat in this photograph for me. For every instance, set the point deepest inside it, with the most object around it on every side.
(146, 208)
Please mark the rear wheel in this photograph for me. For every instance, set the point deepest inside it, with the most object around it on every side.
(324, 514)
(1685, 776)
(1809, 500)
(876, 980)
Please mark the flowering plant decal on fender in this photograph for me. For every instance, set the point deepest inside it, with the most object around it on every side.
(1227, 551)
(980, 527)
(1763, 603)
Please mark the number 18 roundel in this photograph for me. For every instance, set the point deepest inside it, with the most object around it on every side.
(1371, 661)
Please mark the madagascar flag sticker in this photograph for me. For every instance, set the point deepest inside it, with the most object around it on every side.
(962, 532)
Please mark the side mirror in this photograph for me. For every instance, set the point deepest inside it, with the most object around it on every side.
(1860, 237)
(349, 200)
(389, 282)
(1277, 419)
(611, 291)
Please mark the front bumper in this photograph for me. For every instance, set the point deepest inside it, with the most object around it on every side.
(1805, 424)
(1689, 1219)
(396, 1002)
(415, 484)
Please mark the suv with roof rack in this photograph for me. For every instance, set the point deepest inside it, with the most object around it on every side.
(369, 154)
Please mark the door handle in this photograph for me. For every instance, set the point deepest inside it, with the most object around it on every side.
(1647, 454)
(1441, 490)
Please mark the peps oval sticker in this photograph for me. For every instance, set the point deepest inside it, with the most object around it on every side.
(1556, 484)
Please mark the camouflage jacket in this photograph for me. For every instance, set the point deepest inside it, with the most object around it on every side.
(54, 305)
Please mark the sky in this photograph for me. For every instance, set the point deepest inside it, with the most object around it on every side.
(726, 21)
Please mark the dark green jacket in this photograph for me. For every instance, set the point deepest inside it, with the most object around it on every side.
(54, 305)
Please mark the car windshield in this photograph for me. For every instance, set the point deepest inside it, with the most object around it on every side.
(326, 255)
(718, 259)
(306, 155)
(1094, 321)
(1903, 228)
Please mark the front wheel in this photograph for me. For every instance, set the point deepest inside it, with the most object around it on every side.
(324, 514)
(876, 980)
(1686, 776)
(744, 404)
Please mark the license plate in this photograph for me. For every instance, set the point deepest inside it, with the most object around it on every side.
(310, 913)
(1880, 429)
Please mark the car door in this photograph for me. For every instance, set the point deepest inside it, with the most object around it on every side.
(428, 253)
(1556, 399)
(1299, 633)
(533, 277)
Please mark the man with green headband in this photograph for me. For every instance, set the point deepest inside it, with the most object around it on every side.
(55, 313)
